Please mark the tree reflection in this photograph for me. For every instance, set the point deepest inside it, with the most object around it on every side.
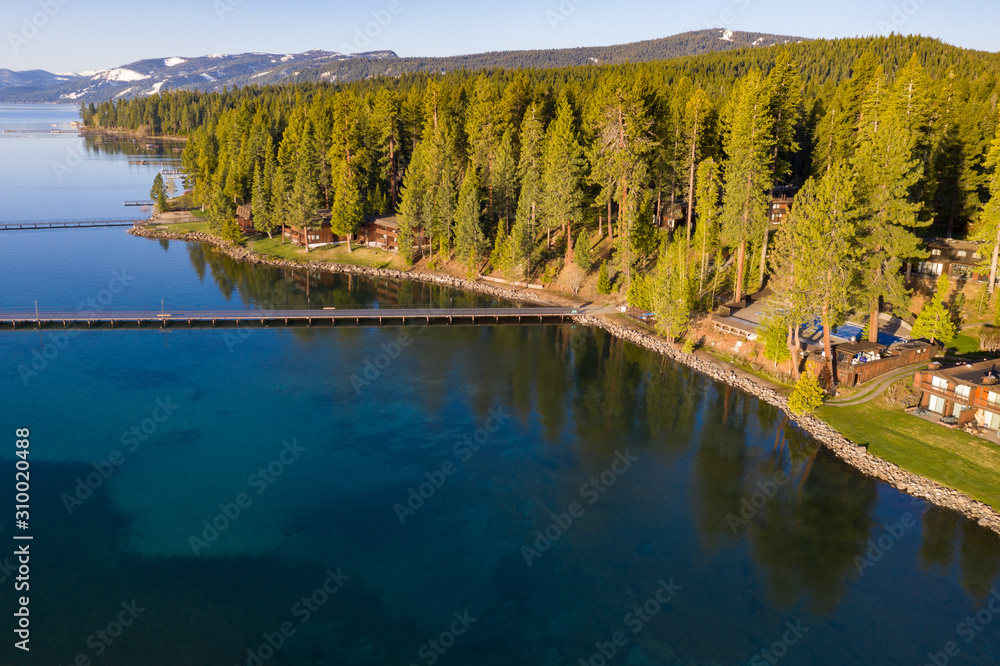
(807, 536)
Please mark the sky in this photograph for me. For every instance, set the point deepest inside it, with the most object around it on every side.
(80, 35)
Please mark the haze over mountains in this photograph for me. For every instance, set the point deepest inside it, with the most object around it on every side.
(212, 72)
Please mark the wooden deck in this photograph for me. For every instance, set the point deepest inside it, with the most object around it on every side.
(185, 319)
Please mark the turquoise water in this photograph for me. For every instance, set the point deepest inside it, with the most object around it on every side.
(537, 495)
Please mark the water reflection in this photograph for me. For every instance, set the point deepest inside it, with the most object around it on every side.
(267, 287)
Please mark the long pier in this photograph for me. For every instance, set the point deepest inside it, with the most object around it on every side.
(201, 319)
(69, 224)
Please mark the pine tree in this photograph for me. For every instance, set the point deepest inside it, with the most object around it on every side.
(413, 202)
(562, 168)
(750, 151)
(785, 90)
(886, 171)
(836, 134)
(623, 149)
(260, 202)
(775, 335)
(603, 279)
(485, 125)
(988, 222)
(504, 177)
(347, 211)
(469, 238)
(502, 256)
(158, 193)
(671, 291)
(695, 118)
(818, 246)
(529, 170)
(386, 118)
(934, 321)
(807, 395)
(582, 255)
(707, 194)
(231, 232)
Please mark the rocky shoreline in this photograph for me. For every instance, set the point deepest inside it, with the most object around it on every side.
(854, 455)
(243, 254)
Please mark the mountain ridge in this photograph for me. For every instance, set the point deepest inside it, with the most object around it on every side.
(211, 72)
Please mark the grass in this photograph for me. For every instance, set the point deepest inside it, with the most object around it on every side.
(752, 369)
(187, 227)
(361, 256)
(951, 457)
(966, 342)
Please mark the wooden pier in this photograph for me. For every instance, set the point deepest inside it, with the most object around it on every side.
(202, 319)
(140, 203)
(69, 224)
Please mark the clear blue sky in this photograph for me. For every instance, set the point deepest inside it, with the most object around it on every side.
(73, 35)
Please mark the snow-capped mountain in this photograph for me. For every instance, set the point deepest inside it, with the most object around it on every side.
(146, 77)
(212, 72)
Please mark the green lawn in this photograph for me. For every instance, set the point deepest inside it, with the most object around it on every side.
(274, 248)
(966, 342)
(186, 227)
(742, 364)
(950, 457)
(338, 254)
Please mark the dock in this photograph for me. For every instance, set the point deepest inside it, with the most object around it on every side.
(202, 319)
(70, 224)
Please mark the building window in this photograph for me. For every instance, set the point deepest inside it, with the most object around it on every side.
(994, 398)
(936, 252)
(960, 253)
(975, 255)
(940, 383)
(962, 391)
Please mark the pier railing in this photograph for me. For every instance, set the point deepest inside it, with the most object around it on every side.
(278, 318)
(14, 225)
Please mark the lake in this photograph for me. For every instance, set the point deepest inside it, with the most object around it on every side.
(456, 496)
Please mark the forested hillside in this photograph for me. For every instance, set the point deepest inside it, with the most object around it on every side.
(213, 73)
(889, 137)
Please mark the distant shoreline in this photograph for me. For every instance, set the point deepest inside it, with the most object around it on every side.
(854, 455)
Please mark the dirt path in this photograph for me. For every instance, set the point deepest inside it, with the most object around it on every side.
(876, 389)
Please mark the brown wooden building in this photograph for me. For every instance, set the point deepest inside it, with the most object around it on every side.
(318, 233)
(859, 362)
(383, 233)
(780, 205)
(958, 259)
(244, 217)
(965, 391)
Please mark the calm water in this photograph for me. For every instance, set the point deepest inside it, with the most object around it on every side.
(636, 469)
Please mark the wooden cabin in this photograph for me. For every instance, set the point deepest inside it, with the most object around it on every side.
(958, 259)
(244, 217)
(781, 203)
(383, 233)
(317, 233)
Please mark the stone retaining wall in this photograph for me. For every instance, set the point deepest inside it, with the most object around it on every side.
(851, 453)
(243, 254)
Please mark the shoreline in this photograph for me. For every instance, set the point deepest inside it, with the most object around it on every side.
(854, 455)
(87, 130)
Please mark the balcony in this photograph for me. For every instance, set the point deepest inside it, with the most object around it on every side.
(947, 394)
